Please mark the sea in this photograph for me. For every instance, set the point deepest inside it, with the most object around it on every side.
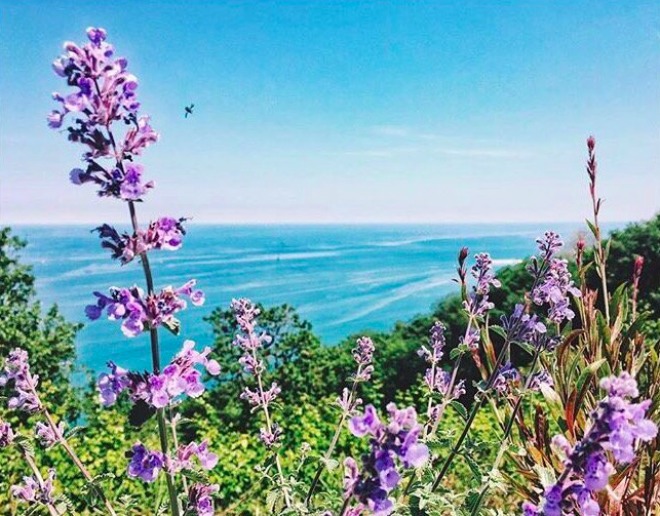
(344, 279)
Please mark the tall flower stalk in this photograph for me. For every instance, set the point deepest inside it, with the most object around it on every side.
(363, 356)
(35, 488)
(25, 397)
(596, 202)
(250, 341)
(550, 287)
(104, 95)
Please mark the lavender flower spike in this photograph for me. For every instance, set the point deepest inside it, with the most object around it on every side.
(617, 426)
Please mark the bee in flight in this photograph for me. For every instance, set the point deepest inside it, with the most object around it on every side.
(188, 110)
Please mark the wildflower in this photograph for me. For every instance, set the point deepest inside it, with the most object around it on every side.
(103, 92)
(363, 354)
(7, 434)
(17, 371)
(347, 402)
(395, 439)
(477, 303)
(47, 436)
(144, 463)
(553, 289)
(270, 437)
(507, 377)
(522, 327)
(32, 490)
(184, 454)
(138, 313)
(617, 425)
(159, 390)
(200, 500)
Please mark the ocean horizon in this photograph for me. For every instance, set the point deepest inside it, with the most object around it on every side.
(343, 278)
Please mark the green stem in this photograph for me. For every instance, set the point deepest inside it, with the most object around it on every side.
(478, 403)
(155, 360)
(333, 443)
(37, 474)
(507, 432)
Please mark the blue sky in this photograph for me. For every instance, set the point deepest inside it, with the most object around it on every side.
(350, 111)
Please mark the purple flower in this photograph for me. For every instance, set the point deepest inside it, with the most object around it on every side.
(184, 454)
(144, 464)
(552, 280)
(477, 303)
(178, 378)
(437, 342)
(32, 490)
(103, 92)
(200, 500)
(347, 402)
(396, 439)
(138, 313)
(507, 377)
(367, 423)
(522, 327)
(46, 436)
(363, 354)
(270, 437)
(7, 434)
(617, 425)
(17, 372)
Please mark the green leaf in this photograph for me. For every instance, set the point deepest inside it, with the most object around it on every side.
(458, 350)
(588, 372)
(330, 464)
(458, 407)
(474, 467)
(498, 330)
(547, 476)
(592, 228)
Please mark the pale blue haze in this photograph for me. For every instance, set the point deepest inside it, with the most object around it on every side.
(306, 111)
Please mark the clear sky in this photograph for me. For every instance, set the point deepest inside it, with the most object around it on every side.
(350, 111)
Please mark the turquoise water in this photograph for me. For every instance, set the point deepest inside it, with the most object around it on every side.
(343, 279)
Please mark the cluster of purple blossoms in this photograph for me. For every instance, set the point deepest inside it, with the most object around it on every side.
(250, 341)
(138, 313)
(159, 390)
(146, 464)
(554, 282)
(104, 92)
(395, 440)
(32, 490)
(184, 455)
(617, 425)
(163, 233)
(523, 327)
(200, 501)
(7, 434)
(46, 436)
(363, 353)
(477, 303)
(507, 379)
(436, 379)
(17, 372)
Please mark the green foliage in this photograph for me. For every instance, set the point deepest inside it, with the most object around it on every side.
(312, 376)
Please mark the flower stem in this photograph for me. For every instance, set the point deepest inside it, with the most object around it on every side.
(155, 360)
(69, 450)
(37, 474)
(478, 403)
(333, 443)
(269, 426)
(507, 432)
